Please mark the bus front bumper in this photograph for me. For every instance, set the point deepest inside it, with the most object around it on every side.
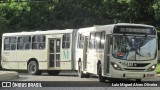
(133, 75)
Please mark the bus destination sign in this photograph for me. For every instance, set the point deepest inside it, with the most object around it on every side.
(134, 30)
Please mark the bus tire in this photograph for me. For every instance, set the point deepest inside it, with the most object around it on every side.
(80, 72)
(53, 72)
(33, 68)
(138, 80)
(100, 77)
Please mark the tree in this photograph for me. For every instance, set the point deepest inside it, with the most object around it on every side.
(62, 14)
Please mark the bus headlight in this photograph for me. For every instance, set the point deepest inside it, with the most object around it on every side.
(152, 68)
(116, 66)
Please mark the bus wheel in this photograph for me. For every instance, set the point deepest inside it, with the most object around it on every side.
(33, 68)
(138, 80)
(80, 72)
(100, 77)
(53, 72)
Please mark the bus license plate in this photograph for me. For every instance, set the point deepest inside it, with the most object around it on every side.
(150, 75)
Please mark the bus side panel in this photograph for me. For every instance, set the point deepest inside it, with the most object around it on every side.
(100, 56)
(91, 61)
(8, 58)
(9, 65)
(66, 61)
(39, 55)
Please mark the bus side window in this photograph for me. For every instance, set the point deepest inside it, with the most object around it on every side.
(102, 40)
(91, 40)
(80, 41)
(10, 43)
(20, 43)
(42, 42)
(6, 43)
(66, 41)
(34, 42)
(38, 42)
(97, 40)
(27, 42)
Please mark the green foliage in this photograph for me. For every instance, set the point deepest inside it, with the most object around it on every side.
(156, 7)
(133, 11)
(158, 68)
(62, 14)
(77, 13)
(13, 12)
(3, 24)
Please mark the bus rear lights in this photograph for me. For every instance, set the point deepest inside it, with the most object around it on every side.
(152, 68)
(116, 66)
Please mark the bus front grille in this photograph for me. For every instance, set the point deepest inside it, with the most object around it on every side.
(128, 64)
(134, 70)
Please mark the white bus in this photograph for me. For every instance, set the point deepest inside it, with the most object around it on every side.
(117, 51)
(109, 51)
(36, 51)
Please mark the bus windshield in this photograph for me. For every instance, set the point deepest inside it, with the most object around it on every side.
(129, 47)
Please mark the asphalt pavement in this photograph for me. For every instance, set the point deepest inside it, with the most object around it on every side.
(8, 75)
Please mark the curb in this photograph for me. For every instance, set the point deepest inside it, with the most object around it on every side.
(8, 75)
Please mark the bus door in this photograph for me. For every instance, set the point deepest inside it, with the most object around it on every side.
(107, 54)
(85, 53)
(54, 52)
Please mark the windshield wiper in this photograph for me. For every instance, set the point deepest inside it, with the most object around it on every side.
(138, 53)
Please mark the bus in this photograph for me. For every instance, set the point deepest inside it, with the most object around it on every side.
(120, 50)
(123, 50)
(38, 51)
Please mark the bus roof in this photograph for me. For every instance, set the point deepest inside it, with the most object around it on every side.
(108, 28)
(132, 24)
(40, 32)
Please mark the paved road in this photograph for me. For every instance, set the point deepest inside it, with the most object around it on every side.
(71, 81)
(71, 76)
(64, 76)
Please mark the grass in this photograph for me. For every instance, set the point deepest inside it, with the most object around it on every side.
(158, 68)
